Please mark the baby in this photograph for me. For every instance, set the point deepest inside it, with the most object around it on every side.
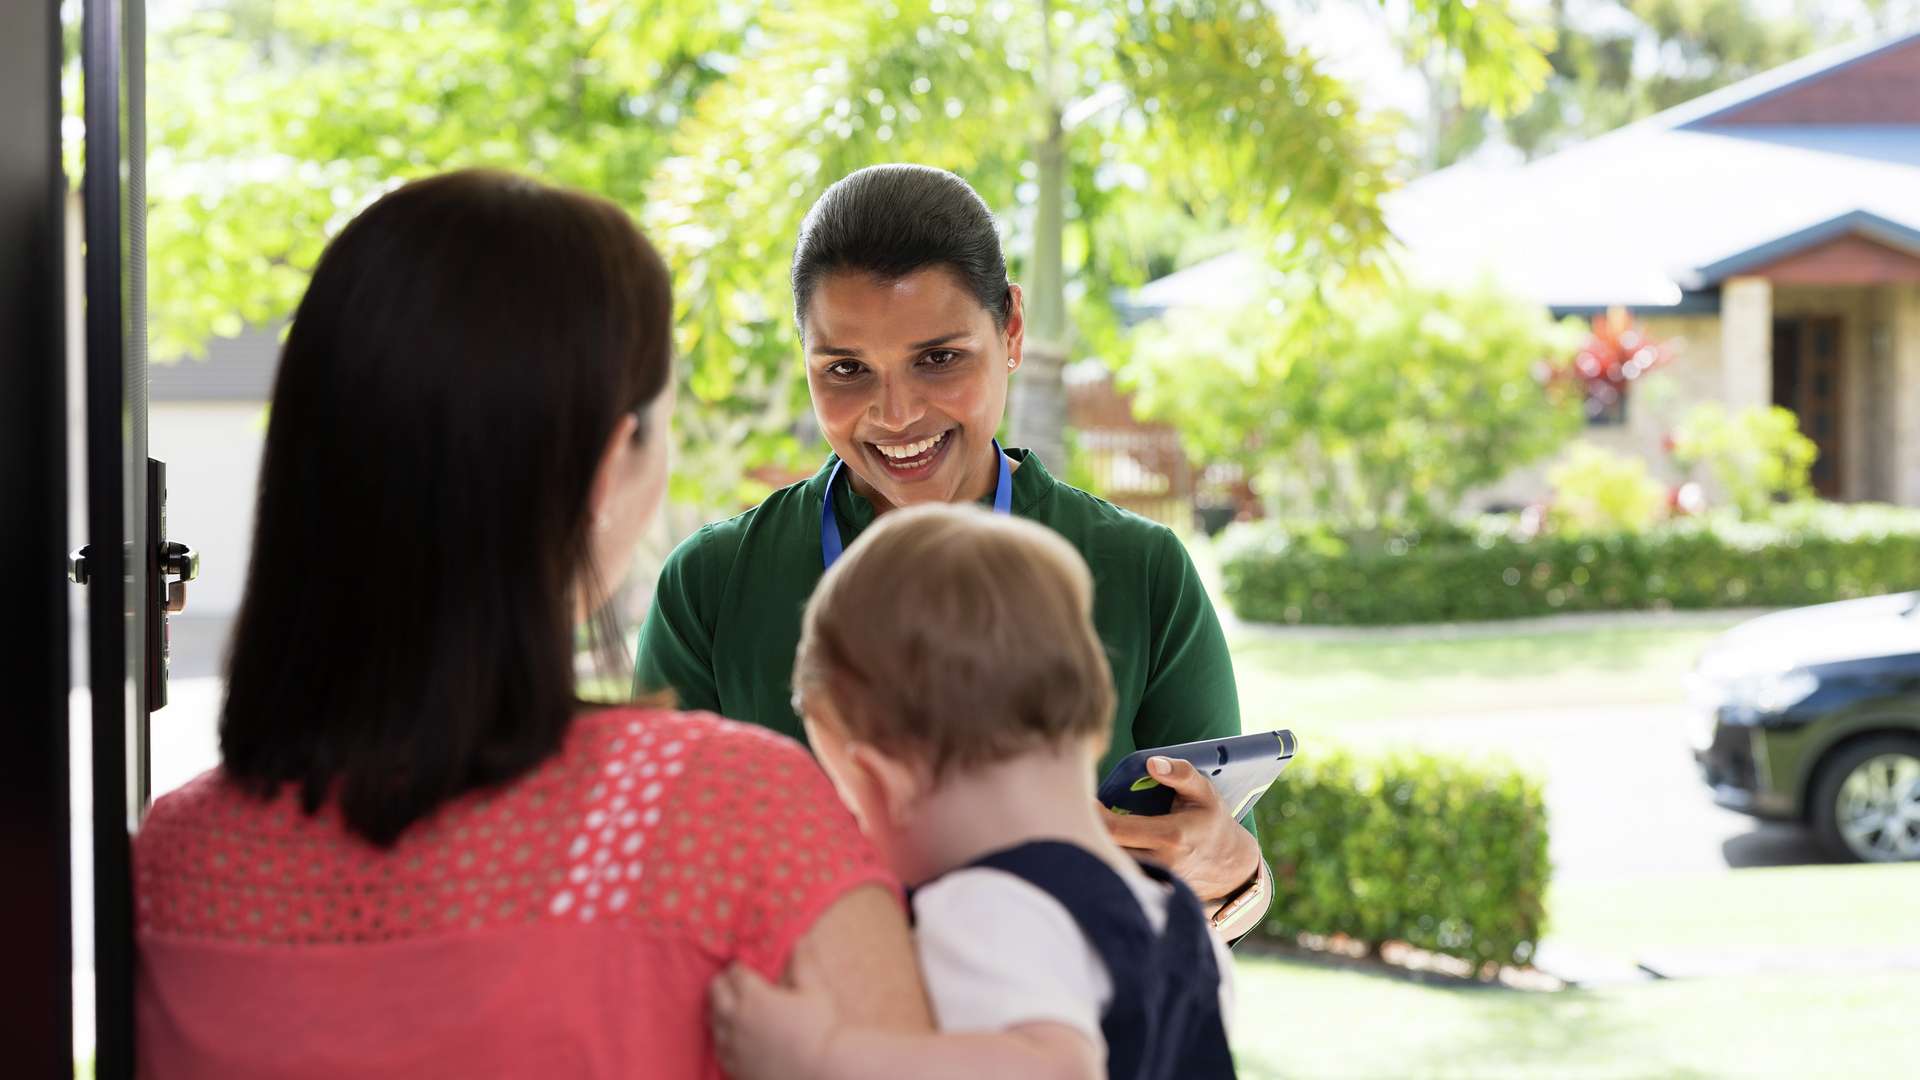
(954, 688)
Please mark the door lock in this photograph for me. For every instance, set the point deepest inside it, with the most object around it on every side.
(178, 562)
(182, 564)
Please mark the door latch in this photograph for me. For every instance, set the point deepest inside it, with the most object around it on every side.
(179, 564)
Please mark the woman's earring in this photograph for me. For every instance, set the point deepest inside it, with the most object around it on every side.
(1012, 362)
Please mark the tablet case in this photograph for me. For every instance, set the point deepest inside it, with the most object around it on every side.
(1241, 768)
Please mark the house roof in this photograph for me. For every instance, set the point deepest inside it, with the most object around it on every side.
(1879, 68)
(1654, 215)
(1225, 281)
(1888, 234)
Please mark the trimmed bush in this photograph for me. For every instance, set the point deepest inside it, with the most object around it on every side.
(1801, 553)
(1599, 492)
(1442, 854)
(1755, 455)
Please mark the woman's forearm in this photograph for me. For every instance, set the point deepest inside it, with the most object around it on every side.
(1045, 1051)
(860, 952)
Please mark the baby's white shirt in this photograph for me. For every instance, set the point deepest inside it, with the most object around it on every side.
(997, 951)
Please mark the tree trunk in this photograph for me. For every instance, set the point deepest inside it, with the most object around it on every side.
(1039, 396)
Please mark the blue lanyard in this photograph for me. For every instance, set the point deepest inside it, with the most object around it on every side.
(830, 546)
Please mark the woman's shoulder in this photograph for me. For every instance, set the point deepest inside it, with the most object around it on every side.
(1101, 529)
(209, 804)
(208, 849)
(719, 544)
(736, 829)
(1054, 502)
(637, 732)
(1085, 504)
(700, 761)
(635, 795)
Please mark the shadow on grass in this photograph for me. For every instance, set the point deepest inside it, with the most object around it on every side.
(1573, 1032)
(1775, 844)
(1374, 1024)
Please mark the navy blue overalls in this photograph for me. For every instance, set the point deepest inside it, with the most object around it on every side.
(1164, 1022)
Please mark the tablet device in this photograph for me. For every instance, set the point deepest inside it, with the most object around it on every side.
(1241, 768)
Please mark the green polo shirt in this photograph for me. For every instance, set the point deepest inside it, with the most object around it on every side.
(726, 613)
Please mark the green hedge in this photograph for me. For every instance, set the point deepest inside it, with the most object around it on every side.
(1805, 553)
(1439, 853)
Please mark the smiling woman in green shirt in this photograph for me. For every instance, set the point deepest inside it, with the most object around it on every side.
(910, 330)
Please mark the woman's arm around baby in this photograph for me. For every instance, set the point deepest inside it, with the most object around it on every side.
(797, 1032)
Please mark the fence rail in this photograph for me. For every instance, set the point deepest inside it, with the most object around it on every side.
(1144, 470)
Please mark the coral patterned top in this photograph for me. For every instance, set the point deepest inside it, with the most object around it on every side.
(565, 925)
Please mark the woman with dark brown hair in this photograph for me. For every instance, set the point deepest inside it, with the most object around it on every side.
(423, 854)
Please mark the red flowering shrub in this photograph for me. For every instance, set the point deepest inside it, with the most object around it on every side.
(1618, 352)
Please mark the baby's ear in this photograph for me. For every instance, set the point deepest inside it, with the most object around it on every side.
(890, 789)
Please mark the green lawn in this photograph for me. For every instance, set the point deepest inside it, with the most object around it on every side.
(1299, 1020)
(1848, 908)
(1302, 1022)
(1375, 676)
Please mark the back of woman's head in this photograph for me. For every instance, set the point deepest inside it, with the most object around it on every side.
(466, 349)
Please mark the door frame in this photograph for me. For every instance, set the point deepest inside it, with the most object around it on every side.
(122, 556)
(36, 1008)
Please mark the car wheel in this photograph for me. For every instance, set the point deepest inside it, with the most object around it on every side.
(1866, 801)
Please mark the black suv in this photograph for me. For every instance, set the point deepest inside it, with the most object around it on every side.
(1813, 716)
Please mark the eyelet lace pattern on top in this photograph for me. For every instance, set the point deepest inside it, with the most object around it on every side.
(682, 824)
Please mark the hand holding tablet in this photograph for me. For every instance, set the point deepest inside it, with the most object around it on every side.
(1241, 768)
